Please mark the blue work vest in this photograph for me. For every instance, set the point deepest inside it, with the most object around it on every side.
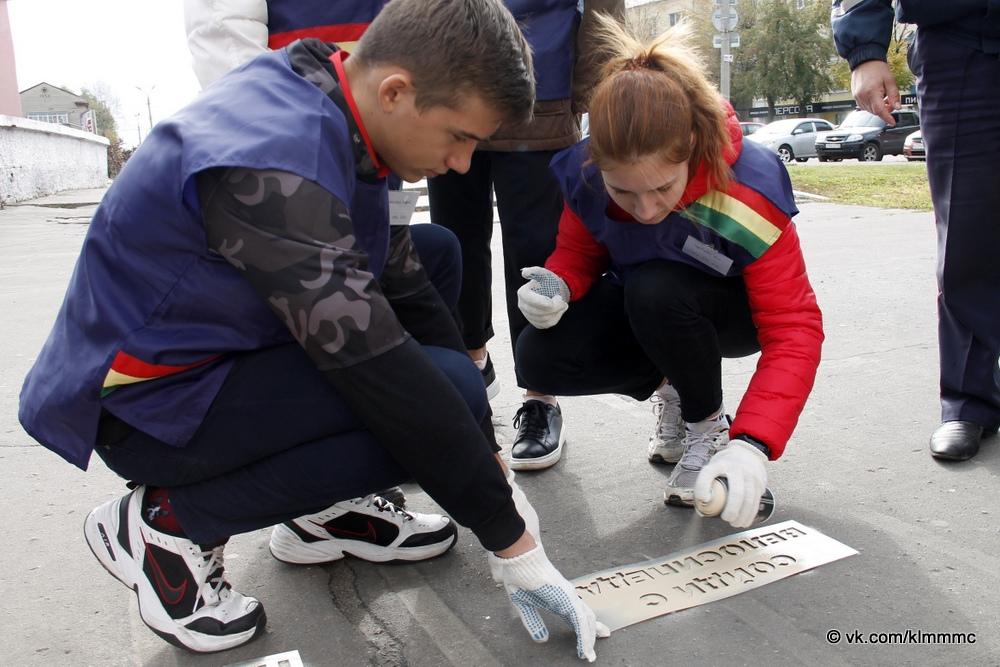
(148, 299)
(550, 26)
(630, 243)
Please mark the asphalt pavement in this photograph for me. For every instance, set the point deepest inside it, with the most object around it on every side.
(857, 469)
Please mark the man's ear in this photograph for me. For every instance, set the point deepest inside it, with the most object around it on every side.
(394, 89)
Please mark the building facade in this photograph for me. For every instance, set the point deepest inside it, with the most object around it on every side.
(52, 104)
(648, 18)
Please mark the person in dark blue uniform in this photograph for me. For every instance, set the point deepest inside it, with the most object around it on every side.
(956, 57)
(248, 342)
(514, 165)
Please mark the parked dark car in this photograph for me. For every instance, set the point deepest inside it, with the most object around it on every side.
(913, 147)
(866, 137)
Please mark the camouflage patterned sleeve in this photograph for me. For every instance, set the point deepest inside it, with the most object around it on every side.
(295, 243)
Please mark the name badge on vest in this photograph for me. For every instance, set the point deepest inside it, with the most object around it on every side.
(707, 255)
(402, 203)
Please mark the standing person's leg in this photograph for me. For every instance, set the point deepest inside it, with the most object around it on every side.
(278, 443)
(686, 322)
(530, 203)
(962, 134)
(441, 254)
(463, 203)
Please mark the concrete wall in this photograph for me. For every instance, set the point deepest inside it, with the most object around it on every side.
(38, 159)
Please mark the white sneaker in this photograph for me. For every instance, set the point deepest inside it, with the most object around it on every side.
(370, 528)
(183, 594)
(698, 449)
(666, 445)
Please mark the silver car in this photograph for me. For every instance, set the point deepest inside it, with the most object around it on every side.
(791, 138)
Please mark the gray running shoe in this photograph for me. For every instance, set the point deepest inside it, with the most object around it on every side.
(666, 445)
(698, 449)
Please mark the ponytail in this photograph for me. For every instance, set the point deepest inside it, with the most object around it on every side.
(654, 99)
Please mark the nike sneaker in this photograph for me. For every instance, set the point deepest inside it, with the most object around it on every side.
(369, 528)
(181, 587)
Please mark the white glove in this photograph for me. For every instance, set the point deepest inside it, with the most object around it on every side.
(533, 583)
(742, 465)
(544, 298)
(527, 513)
(524, 508)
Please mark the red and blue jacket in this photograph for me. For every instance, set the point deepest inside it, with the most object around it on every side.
(328, 20)
(550, 26)
(749, 223)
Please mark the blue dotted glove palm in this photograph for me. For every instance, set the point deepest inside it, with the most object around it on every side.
(534, 584)
(544, 298)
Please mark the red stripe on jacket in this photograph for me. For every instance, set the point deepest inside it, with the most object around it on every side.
(337, 32)
(126, 364)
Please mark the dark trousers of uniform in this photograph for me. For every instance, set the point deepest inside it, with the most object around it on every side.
(529, 203)
(278, 441)
(668, 320)
(959, 92)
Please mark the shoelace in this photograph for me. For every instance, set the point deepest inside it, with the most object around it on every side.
(383, 505)
(215, 583)
(700, 447)
(665, 420)
(530, 421)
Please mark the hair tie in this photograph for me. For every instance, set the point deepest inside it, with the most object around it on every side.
(636, 62)
(642, 61)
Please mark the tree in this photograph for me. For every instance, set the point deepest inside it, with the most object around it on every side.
(784, 53)
(103, 104)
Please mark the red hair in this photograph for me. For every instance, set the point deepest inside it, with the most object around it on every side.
(654, 99)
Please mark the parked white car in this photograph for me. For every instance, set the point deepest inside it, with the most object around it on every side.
(791, 138)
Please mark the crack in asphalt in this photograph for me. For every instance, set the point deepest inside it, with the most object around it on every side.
(348, 599)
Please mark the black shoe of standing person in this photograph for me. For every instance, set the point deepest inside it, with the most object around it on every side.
(490, 379)
(540, 437)
(958, 440)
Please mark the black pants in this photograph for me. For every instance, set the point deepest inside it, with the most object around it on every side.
(529, 203)
(668, 320)
(278, 441)
(959, 98)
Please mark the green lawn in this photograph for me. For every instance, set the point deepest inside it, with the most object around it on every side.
(894, 185)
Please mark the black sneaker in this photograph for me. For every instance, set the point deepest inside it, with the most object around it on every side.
(490, 379)
(540, 436)
(369, 528)
(183, 594)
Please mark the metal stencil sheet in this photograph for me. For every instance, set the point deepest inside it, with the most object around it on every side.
(712, 571)
(287, 659)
